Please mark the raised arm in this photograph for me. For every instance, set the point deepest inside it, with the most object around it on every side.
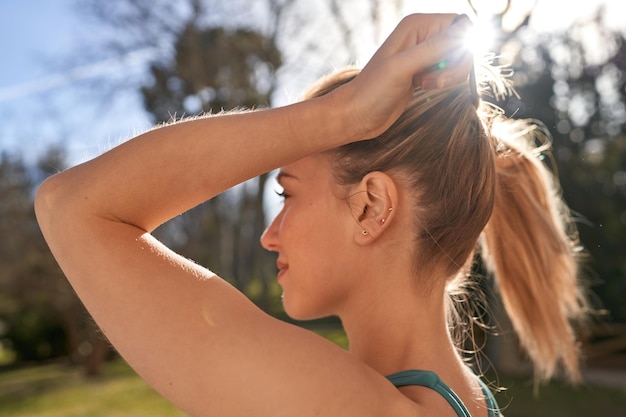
(192, 336)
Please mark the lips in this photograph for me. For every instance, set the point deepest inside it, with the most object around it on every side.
(282, 267)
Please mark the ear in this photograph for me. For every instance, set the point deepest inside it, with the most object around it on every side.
(372, 203)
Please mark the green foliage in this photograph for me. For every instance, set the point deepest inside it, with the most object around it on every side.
(28, 327)
(40, 315)
(35, 335)
(7, 354)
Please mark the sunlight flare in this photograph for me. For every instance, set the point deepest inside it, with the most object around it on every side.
(480, 38)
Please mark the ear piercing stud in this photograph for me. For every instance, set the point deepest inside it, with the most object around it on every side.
(382, 221)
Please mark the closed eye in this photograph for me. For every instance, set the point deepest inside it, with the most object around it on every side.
(282, 194)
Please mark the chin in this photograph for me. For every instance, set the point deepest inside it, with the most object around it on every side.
(302, 313)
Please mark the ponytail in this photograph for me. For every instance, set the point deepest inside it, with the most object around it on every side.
(531, 246)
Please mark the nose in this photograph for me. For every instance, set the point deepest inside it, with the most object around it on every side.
(269, 238)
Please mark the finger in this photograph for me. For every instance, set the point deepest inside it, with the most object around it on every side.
(446, 47)
(426, 26)
(449, 74)
(412, 30)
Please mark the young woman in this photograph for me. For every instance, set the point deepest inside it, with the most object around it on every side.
(390, 176)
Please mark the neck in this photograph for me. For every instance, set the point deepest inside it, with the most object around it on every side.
(400, 330)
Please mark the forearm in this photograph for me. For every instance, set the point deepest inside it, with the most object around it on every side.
(156, 176)
(160, 174)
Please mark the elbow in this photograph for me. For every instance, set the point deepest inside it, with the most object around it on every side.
(48, 199)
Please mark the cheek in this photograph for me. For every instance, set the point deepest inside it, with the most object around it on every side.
(316, 240)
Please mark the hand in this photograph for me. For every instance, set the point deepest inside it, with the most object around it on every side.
(408, 59)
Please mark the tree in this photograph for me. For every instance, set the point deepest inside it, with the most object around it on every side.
(41, 314)
(24, 310)
(213, 69)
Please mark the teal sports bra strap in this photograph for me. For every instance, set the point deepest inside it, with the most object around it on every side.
(492, 405)
(431, 380)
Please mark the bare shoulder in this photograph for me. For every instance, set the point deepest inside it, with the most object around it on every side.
(240, 361)
(245, 362)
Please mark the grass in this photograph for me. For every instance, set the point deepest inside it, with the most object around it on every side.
(61, 391)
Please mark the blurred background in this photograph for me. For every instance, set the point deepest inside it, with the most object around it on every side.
(78, 77)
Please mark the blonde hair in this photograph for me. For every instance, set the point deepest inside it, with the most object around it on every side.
(479, 184)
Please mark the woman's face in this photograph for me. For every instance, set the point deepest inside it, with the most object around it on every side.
(313, 236)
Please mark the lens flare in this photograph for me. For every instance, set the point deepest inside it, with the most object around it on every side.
(480, 38)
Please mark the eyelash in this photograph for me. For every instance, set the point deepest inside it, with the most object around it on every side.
(281, 194)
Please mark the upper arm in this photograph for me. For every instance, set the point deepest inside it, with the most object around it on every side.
(197, 340)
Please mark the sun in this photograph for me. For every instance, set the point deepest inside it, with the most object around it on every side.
(480, 38)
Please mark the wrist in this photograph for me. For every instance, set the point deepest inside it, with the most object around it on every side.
(341, 115)
(320, 123)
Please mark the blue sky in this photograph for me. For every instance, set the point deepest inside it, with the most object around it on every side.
(29, 30)
(40, 105)
(41, 102)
